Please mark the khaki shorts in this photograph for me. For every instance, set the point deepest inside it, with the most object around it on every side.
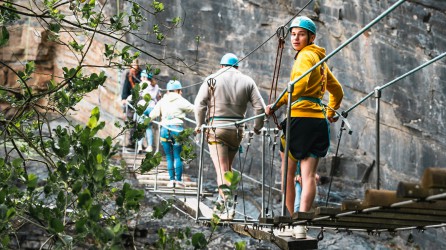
(226, 137)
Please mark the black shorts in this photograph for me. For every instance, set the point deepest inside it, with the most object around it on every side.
(309, 137)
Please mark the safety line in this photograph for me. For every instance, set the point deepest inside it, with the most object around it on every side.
(385, 13)
(254, 50)
(395, 80)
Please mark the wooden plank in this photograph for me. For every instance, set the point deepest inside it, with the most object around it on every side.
(324, 211)
(165, 182)
(414, 211)
(351, 205)
(413, 218)
(268, 221)
(355, 205)
(303, 216)
(179, 193)
(283, 220)
(281, 242)
(411, 190)
(381, 198)
(377, 221)
(434, 178)
(190, 205)
(350, 225)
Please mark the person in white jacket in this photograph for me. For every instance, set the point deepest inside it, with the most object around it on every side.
(172, 108)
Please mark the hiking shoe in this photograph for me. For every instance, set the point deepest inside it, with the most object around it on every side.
(139, 150)
(299, 232)
(227, 215)
(171, 183)
(285, 232)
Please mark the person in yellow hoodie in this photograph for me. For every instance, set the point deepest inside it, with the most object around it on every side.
(309, 131)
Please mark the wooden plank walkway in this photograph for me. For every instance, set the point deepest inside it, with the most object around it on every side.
(412, 206)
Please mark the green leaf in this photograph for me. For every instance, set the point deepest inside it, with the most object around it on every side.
(4, 36)
(31, 181)
(5, 240)
(17, 162)
(240, 245)
(232, 177)
(84, 199)
(93, 122)
(95, 212)
(10, 213)
(30, 67)
(56, 225)
(77, 187)
(199, 241)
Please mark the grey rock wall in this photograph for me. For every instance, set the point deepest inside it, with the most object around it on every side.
(413, 128)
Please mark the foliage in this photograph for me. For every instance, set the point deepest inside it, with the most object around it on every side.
(63, 180)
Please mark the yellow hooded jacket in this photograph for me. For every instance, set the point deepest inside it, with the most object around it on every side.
(313, 85)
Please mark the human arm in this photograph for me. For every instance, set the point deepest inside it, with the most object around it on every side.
(156, 112)
(201, 106)
(335, 97)
(259, 107)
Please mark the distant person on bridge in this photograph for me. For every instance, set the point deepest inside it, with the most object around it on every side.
(172, 108)
(309, 134)
(132, 77)
(155, 95)
(223, 98)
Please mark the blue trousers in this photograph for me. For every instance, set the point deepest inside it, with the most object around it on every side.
(172, 150)
(297, 197)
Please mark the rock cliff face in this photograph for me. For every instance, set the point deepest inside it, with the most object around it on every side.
(413, 114)
(412, 126)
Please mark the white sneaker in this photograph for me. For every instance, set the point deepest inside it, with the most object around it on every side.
(286, 232)
(149, 149)
(227, 215)
(180, 184)
(299, 232)
(171, 183)
(139, 150)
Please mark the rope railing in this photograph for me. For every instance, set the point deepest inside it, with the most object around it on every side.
(395, 80)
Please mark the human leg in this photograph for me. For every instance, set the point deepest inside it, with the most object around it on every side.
(290, 187)
(298, 189)
(220, 158)
(149, 137)
(177, 148)
(308, 171)
(223, 146)
(168, 151)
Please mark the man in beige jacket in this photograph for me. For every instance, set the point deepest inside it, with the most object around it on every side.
(223, 98)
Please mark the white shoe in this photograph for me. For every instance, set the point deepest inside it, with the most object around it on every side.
(299, 232)
(139, 150)
(180, 184)
(149, 149)
(171, 183)
(227, 215)
(285, 232)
